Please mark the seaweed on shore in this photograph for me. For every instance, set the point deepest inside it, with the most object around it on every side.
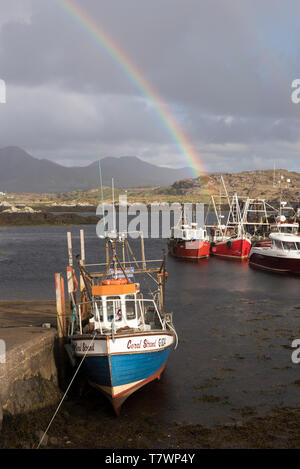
(76, 427)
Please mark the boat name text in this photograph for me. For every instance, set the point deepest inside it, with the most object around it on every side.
(142, 344)
(83, 347)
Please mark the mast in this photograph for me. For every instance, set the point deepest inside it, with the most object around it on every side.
(113, 203)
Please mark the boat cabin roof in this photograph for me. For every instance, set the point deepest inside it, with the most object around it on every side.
(107, 290)
(285, 237)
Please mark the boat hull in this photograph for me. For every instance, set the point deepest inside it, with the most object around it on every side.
(195, 249)
(121, 366)
(275, 263)
(235, 248)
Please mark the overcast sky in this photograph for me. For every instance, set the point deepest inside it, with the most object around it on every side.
(224, 67)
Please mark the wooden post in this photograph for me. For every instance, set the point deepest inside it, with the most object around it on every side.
(70, 252)
(82, 246)
(63, 306)
(70, 281)
(60, 306)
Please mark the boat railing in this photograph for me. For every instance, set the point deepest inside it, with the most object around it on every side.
(144, 314)
(104, 264)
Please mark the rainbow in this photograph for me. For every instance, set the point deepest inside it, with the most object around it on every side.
(130, 69)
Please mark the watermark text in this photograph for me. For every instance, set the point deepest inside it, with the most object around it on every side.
(153, 220)
(2, 351)
(2, 92)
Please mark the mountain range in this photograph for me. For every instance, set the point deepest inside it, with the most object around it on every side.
(21, 172)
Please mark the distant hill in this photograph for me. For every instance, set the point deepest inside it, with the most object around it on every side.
(21, 172)
(253, 184)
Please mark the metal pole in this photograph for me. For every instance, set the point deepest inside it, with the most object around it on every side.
(82, 261)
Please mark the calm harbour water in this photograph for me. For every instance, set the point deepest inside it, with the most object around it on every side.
(235, 327)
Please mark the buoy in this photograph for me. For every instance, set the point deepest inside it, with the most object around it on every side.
(161, 275)
(115, 281)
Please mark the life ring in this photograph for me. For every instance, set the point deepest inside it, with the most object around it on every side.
(229, 244)
(115, 281)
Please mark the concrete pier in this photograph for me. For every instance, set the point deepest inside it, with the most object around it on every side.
(28, 372)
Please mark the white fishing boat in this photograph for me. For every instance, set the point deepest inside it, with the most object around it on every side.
(124, 335)
(281, 253)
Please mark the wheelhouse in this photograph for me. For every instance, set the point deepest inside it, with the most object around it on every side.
(188, 232)
(285, 242)
(118, 307)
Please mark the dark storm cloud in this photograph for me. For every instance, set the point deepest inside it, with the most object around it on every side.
(224, 67)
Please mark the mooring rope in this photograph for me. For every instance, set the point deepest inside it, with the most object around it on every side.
(59, 405)
(176, 336)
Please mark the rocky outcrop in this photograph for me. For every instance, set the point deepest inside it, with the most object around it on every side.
(255, 184)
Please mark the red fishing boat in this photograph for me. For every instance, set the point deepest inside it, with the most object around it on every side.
(188, 241)
(229, 240)
(233, 245)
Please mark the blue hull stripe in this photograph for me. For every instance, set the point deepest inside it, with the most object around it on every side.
(126, 368)
(97, 369)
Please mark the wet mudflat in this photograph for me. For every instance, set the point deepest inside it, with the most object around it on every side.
(230, 383)
(88, 425)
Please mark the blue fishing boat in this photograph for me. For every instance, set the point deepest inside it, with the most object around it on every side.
(123, 335)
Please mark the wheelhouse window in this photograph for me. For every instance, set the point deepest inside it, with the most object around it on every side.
(100, 309)
(130, 307)
(114, 308)
(278, 244)
(290, 245)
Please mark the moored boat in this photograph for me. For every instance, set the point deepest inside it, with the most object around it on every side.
(124, 336)
(232, 246)
(281, 253)
(189, 241)
(229, 240)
